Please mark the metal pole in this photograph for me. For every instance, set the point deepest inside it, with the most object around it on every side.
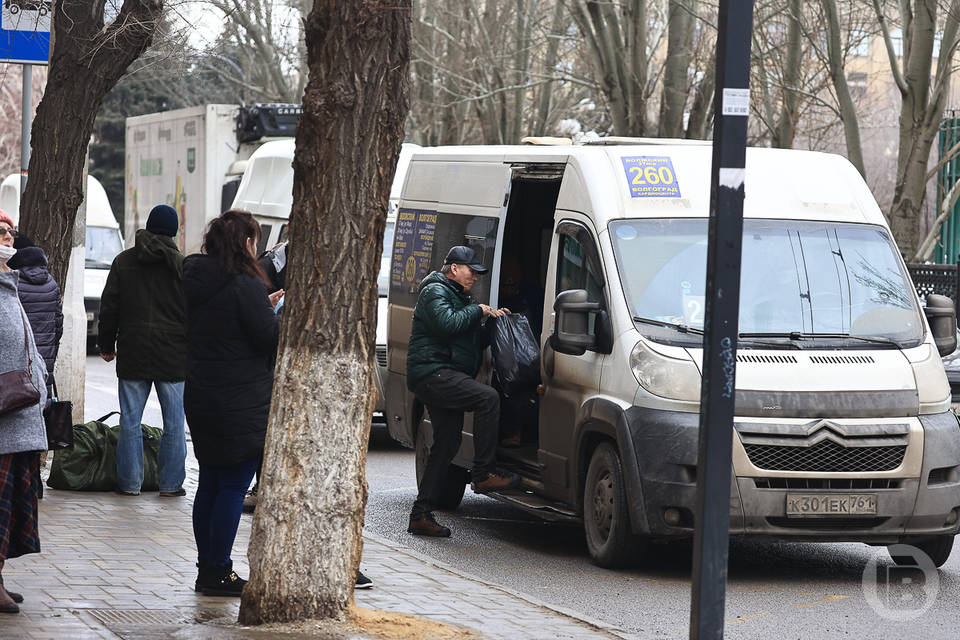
(26, 116)
(731, 107)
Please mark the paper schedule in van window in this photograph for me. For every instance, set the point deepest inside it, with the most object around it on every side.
(651, 177)
(412, 248)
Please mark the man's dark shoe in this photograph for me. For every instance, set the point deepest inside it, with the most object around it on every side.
(220, 581)
(496, 482)
(173, 494)
(363, 582)
(425, 525)
(121, 492)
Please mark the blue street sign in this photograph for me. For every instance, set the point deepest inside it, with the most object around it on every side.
(25, 31)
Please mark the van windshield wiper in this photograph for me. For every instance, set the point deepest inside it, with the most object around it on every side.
(682, 328)
(802, 335)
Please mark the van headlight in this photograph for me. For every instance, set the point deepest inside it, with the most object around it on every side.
(673, 378)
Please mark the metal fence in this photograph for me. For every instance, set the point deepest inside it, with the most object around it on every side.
(942, 279)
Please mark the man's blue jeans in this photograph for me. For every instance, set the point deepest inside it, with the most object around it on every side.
(173, 444)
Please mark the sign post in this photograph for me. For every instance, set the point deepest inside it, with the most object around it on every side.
(25, 39)
(718, 391)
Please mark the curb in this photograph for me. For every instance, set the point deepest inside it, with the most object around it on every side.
(616, 632)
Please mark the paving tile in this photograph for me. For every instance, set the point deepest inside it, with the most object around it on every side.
(107, 552)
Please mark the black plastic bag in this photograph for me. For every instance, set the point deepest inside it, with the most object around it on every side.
(516, 354)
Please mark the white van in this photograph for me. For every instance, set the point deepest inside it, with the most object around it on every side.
(843, 428)
(103, 243)
(266, 190)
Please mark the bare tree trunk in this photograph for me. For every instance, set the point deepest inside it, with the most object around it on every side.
(597, 34)
(306, 540)
(675, 74)
(87, 59)
(922, 107)
(848, 111)
(557, 28)
(787, 126)
(702, 103)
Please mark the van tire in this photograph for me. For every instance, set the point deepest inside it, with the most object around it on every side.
(937, 548)
(456, 478)
(606, 520)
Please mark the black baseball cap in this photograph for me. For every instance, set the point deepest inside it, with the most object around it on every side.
(464, 255)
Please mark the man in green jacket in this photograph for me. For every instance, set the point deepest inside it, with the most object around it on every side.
(444, 355)
(143, 323)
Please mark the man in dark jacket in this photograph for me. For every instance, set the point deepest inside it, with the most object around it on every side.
(143, 323)
(446, 349)
(41, 300)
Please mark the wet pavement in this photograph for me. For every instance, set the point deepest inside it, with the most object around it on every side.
(123, 567)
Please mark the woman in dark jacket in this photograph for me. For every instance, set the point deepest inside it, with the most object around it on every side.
(232, 334)
(40, 297)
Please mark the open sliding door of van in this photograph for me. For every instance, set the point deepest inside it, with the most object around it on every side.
(448, 199)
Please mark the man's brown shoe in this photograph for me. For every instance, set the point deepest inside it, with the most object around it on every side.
(425, 525)
(495, 482)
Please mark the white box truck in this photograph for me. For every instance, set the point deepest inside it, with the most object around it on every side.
(191, 159)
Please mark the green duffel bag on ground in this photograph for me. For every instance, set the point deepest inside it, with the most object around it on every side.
(91, 465)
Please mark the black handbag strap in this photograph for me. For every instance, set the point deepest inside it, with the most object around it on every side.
(103, 418)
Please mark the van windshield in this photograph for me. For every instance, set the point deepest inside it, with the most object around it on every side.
(383, 277)
(808, 278)
(103, 245)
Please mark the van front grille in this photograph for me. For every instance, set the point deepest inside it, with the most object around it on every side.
(826, 456)
(381, 355)
(827, 483)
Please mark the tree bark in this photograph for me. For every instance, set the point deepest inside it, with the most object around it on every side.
(676, 84)
(922, 107)
(787, 126)
(838, 74)
(306, 539)
(557, 28)
(87, 58)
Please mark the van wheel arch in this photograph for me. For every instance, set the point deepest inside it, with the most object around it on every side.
(591, 438)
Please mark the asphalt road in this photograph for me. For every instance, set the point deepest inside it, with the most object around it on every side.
(781, 591)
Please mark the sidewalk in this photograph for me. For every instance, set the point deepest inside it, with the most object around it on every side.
(122, 567)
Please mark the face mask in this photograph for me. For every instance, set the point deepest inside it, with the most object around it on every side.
(6, 253)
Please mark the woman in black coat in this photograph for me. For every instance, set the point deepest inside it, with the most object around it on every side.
(232, 335)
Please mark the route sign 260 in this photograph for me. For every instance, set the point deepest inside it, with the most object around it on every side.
(651, 177)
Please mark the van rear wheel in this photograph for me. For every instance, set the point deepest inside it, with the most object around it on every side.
(606, 520)
(455, 480)
(937, 548)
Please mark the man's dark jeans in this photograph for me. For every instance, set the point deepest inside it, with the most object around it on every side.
(447, 394)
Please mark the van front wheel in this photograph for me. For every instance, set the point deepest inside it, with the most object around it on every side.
(606, 520)
(455, 480)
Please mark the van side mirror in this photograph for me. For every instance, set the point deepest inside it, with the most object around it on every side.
(571, 329)
(942, 317)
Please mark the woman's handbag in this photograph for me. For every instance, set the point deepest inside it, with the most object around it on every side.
(17, 389)
(58, 417)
